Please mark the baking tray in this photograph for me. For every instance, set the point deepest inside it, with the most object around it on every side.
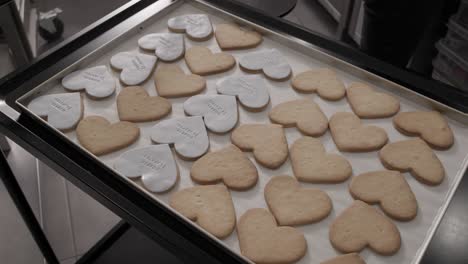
(433, 201)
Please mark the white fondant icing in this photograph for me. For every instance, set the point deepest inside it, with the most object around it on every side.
(136, 67)
(197, 26)
(154, 164)
(273, 64)
(219, 111)
(188, 134)
(63, 111)
(166, 46)
(96, 81)
(252, 91)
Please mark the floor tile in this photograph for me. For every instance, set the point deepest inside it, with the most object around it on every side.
(68, 261)
(25, 175)
(16, 243)
(56, 212)
(90, 220)
(292, 18)
(7, 64)
(313, 16)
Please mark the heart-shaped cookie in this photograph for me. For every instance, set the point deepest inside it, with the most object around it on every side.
(311, 163)
(166, 46)
(304, 114)
(252, 91)
(171, 81)
(351, 258)
(96, 81)
(271, 62)
(228, 165)
(188, 134)
(63, 111)
(322, 81)
(430, 126)
(360, 226)
(154, 164)
(219, 111)
(415, 156)
(197, 26)
(231, 36)
(200, 60)
(293, 205)
(389, 189)
(267, 141)
(368, 103)
(262, 241)
(100, 137)
(135, 105)
(135, 67)
(209, 206)
(351, 136)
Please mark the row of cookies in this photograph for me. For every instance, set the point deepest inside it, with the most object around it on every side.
(188, 133)
(383, 226)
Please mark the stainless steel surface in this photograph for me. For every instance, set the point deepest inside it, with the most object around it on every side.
(157, 10)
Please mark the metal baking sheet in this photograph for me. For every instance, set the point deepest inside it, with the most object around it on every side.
(433, 201)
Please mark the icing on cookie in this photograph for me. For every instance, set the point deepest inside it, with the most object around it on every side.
(197, 26)
(166, 46)
(188, 134)
(219, 111)
(271, 62)
(252, 91)
(135, 67)
(63, 111)
(154, 164)
(96, 81)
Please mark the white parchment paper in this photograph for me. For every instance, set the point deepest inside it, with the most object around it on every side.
(430, 199)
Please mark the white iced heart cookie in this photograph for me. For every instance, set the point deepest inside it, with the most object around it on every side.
(166, 46)
(96, 81)
(219, 111)
(135, 67)
(197, 26)
(188, 134)
(154, 164)
(271, 62)
(252, 91)
(63, 111)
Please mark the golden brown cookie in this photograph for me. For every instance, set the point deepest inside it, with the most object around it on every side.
(305, 114)
(415, 156)
(262, 241)
(202, 61)
(100, 137)
(323, 81)
(311, 163)
(389, 189)
(293, 205)
(209, 206)
(360, 226)
(171, 81)
(351, 136)
(135, 105)
(231, 36)
(368, 103)
(351, 258)
(267, 141)
(228, 165)
(430, 126)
